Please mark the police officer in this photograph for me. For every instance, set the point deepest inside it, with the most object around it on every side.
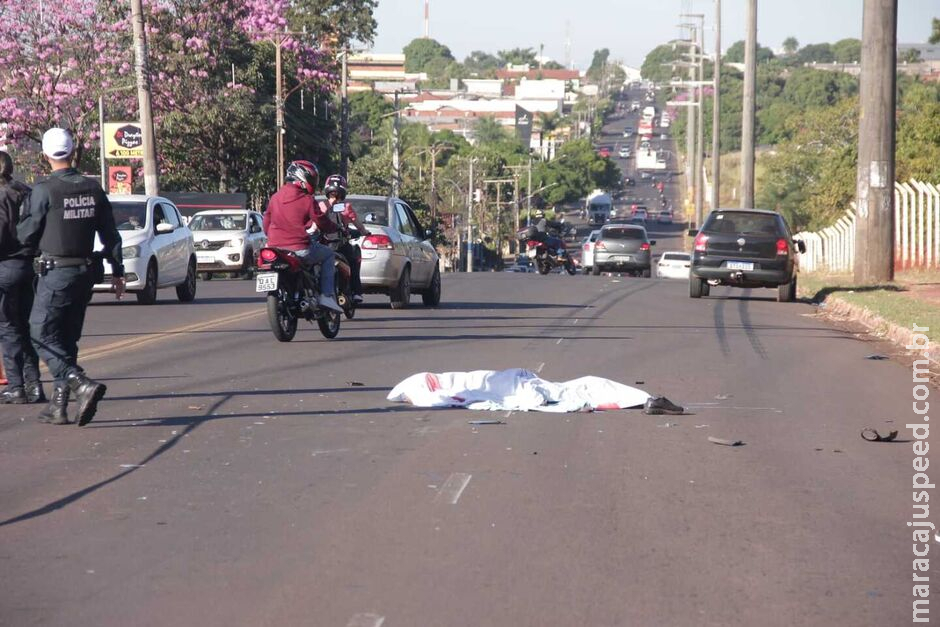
(16, 295)
(65, 211)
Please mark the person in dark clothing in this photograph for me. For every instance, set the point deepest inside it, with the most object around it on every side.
(66, 210)
(335, 191)
(540, 231)
(16, 296)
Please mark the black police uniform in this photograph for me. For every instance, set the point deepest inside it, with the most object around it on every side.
(16, 300)
(65, 211)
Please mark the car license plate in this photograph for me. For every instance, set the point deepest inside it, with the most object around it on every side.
(204, 259)
(533, 252)
(740, 265)
(623, 257)
(266, 282)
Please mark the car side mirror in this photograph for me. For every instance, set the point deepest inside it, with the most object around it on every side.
(165, 227)
(428, 234)
(800, 246)
(255, 228)
(693, 232)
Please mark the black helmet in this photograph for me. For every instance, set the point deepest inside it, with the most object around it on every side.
(304, 175)
(335, 184)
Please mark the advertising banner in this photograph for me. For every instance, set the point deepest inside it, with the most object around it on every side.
(123, 140)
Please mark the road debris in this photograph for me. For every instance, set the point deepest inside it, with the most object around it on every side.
(197, 407)
(871, 435)
(877, 357)
(355, 384)
(725, 442)
(723, 397)
(485, 422)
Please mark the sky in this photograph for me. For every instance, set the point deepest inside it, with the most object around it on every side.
(629, 28)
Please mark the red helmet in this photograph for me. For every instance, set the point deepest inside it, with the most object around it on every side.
(304, 175)
(335, 184)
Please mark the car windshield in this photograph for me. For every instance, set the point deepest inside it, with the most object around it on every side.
(622, 234)
(130, 216)
(371, 210)
(741, 222)
(217, 222)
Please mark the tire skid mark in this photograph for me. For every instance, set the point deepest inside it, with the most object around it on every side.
(752, 337)
(720, 331)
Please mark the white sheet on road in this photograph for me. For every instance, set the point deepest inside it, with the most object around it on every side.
(516, 390)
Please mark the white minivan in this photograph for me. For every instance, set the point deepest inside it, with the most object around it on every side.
(158, 248)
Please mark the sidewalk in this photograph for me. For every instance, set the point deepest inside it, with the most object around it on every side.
(890, 310)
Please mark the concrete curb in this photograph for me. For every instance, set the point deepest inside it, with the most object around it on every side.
(876, 325)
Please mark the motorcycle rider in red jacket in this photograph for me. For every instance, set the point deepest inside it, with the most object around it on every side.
(291, 212)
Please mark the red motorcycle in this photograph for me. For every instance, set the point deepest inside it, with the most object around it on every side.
(292, 293)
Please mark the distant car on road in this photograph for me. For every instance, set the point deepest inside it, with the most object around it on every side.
(622, 247)
(603, 153)
(664, 217)
(227, 241)
(397, 256)
(157, 247)
(745, 248)
(628, 131)
(587, 250)
(624, 152)
(673, 265)
(629, 181)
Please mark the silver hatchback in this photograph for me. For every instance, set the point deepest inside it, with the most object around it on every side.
(397, 257)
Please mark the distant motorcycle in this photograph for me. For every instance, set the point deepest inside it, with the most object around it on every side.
(547, 253)
(344, 235)
(292, 293)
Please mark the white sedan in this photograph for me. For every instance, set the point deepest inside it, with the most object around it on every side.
(158, 248)
(673, 265)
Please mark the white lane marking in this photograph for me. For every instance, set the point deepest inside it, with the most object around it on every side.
(454, 486)
(366, 620)
(576, 321)
(539, 369)
(560, 341)
(326, 451)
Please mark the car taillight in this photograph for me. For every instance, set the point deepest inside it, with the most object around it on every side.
(644, 246)
(700, 240)
(377, 242)
(782, 248)
(599, 246)
(587, 247)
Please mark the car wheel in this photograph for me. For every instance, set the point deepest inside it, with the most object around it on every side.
(432, 297)
(586, 270)
(596, 270)
(786, 293)
(186, 291)
(646, 273)
(697, 287)
(401, 293)
(148, 295)
(206, 276)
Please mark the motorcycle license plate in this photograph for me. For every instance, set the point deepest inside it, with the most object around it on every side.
(266, 282)
(533, 252)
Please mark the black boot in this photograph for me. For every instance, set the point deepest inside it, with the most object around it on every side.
(86, 392)
(34, 392)
(56, 412)
(13, 396)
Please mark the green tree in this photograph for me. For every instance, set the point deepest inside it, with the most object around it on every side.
(807, 87)
(575, 172)
(918, 133)
(342, 20)
(487, 131)
(552, 65)
(847, 50)
(911, 55)
(421, 52)
(598, 64)
(479, 62)
(517, 56)
(735, 54)
(790, 45)
(816, 53)
(656, 65)
(934, 31)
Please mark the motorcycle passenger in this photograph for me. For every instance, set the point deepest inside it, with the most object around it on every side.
(541, 231)
(291, 211)
(334, 188)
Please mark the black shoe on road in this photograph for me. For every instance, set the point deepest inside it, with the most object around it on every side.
(86, 393)
(34, 392)
(657, 405)
(13, 396)
(56, 412)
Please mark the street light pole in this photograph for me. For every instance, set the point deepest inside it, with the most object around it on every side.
(344, 118)
(700, 152)
(151, 182)
(716, 113)
(396, 150)
(747, 122)
(279, 111)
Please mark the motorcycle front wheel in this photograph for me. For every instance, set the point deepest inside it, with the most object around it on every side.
(569, 267)
(329, 322)
(544, 265)
(283, 322)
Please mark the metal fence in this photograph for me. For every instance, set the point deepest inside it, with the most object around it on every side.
(916, 233)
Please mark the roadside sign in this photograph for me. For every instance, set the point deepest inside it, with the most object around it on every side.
(123, 140)
(120, 179)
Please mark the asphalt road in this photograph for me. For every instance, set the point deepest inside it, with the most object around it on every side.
(232, 480)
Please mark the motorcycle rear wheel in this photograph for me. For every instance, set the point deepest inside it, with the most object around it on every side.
(283, 322)
(329, 321)
(545, 266)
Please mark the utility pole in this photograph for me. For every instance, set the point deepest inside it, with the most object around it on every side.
(470, 220)
(716, 114)
(690, 129)
(528, 201)
(396, 152)
(344, 118)
(700, 151)
(151, 182)
(747, 121)
(874, 230)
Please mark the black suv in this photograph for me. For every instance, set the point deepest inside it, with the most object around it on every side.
(745, 248)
